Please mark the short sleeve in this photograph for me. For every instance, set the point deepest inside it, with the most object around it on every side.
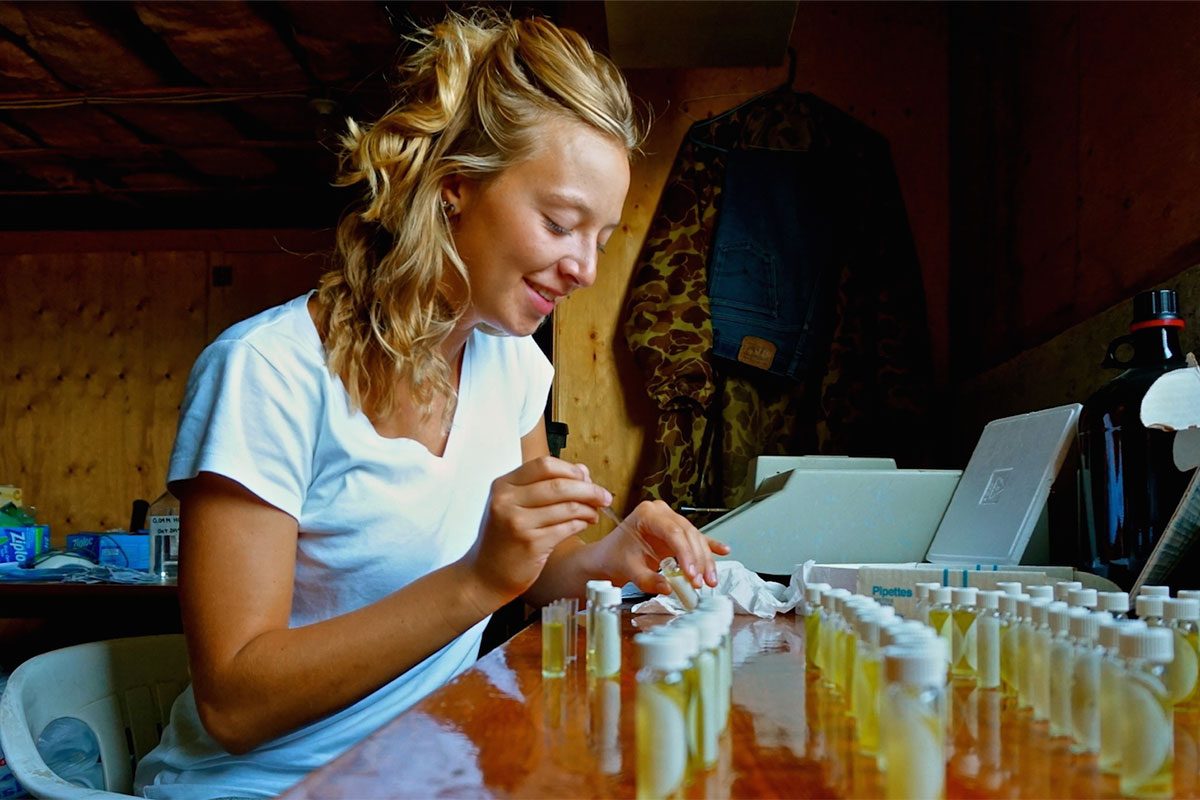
(244, 419)
(539, 374)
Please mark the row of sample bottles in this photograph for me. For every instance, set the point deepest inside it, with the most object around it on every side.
(1103, 683)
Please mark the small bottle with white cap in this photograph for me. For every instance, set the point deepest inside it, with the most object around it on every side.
(1024, 652)
(1115, 603)
(914, 707)
(1112, 706)
(1009, 587)
(1009, 627)
(1085, 681)
(1038, 663)
(812, 623)
(661, 718)
(963, 642)
(1182, 616)
(606, 629)
(1041, 592)
(681, 587)
(723, 606)
(707, 708)
(590, 637)
(1154, 591)
(1062, 652)
(1148, 740)
(865, 694)
(941, 615)
(987, 640)
(1149, 608)
(925, 590)
(1188, 594)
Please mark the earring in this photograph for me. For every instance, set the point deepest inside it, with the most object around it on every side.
(448, 208)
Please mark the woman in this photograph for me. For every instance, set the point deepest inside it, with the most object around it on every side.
(363, 472)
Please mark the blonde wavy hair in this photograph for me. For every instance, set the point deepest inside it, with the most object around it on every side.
(472, 100)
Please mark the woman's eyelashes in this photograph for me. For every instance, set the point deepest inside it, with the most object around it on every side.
(560, 230)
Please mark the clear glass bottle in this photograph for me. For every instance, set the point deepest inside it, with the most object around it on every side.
(164, 536)
(1148, 740)
(812, 624)
(661, 718)
(1038, 663)
(687, 640)
(590, 637)
(722, 607)
(606, 627)
(1115, 603)
(681, 587)
(1085, 682)
(1112, 679)
(1010, 622)
(710, 626)
(1149, 609)
(914, 707)
(1062, 653)
(866, 683)
(987, 638)
(964, 648)
(941, 614)
(1024, 652)
(1182, 616)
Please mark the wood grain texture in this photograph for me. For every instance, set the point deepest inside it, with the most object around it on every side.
(502, 730)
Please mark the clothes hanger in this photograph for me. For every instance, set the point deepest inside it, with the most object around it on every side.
(696, 131)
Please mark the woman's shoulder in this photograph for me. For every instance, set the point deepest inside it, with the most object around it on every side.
(284, 334)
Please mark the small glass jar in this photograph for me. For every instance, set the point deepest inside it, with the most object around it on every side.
(1085, 682)
(606, 628)
(987, 639)
(913, 720)
(963, 644)
(812, 624)
(1148, 740)
(1182, 616)
(1112, 679)
(941, 614)
(1062, 653)
(661, 718)
(589, 636)
(1009, 650)
(1038, 663)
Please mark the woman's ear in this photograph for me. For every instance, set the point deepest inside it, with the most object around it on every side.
(455, 191)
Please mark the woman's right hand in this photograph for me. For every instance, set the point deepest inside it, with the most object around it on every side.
(529, 512)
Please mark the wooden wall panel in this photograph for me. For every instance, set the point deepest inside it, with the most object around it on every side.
(883, 64)
(94, 376)
(98, 336)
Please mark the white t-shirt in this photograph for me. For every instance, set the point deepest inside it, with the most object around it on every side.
(374, 514)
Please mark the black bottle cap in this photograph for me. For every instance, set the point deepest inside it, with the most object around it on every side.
(1158, 304)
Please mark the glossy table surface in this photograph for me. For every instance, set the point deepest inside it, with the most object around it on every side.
(501, 729)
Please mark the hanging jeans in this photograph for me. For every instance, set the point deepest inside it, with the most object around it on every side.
(772, 272)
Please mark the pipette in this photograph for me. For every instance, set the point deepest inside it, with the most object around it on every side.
(681, 587)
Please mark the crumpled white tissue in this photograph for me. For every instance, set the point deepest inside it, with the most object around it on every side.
(750, 593)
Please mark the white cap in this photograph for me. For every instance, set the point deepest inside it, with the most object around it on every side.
(1008, 604)
(685, 636)
(1062, 589)
(1039, 611)
(1148, 644)
(608, 596)
(720, 603)
(594, 585)
(1082, 598)
(1155, 591)
(916, 664)
(1110, 631)
(1187, 608)
(1059, 616)
(942, 595)
(1035, 592)
(1117, 602)
(813, 591)
(1149, 606)
(921, 591)
(1188, 594)
(989, 598)
(1009, 587)
(964, 595)
(867, 628)
(1086, 624)
(710, 625)
(659, 652)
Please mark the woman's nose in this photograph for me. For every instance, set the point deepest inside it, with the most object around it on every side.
(579, 268)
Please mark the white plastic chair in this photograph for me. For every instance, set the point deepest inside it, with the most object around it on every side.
(122, 688)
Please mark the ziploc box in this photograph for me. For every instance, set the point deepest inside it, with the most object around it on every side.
(22, 543)
(130, 550)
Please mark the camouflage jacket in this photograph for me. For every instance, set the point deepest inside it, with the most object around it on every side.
(870, 391)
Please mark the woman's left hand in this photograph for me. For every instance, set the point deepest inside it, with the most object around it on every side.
(622, 558)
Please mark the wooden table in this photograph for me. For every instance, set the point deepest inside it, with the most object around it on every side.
(500, 729)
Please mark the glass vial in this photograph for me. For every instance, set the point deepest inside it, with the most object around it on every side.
(1112, 679)
(964, 649)
(606, 627)
(681, 587)
(812, 623)
(1182, 616)
(661, 718)
(940, 614)
(1038, 662)
(589, 636)
(987, 639)
(913, 721)
(1148, 739)
(1085, 682)
(1062, 653)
